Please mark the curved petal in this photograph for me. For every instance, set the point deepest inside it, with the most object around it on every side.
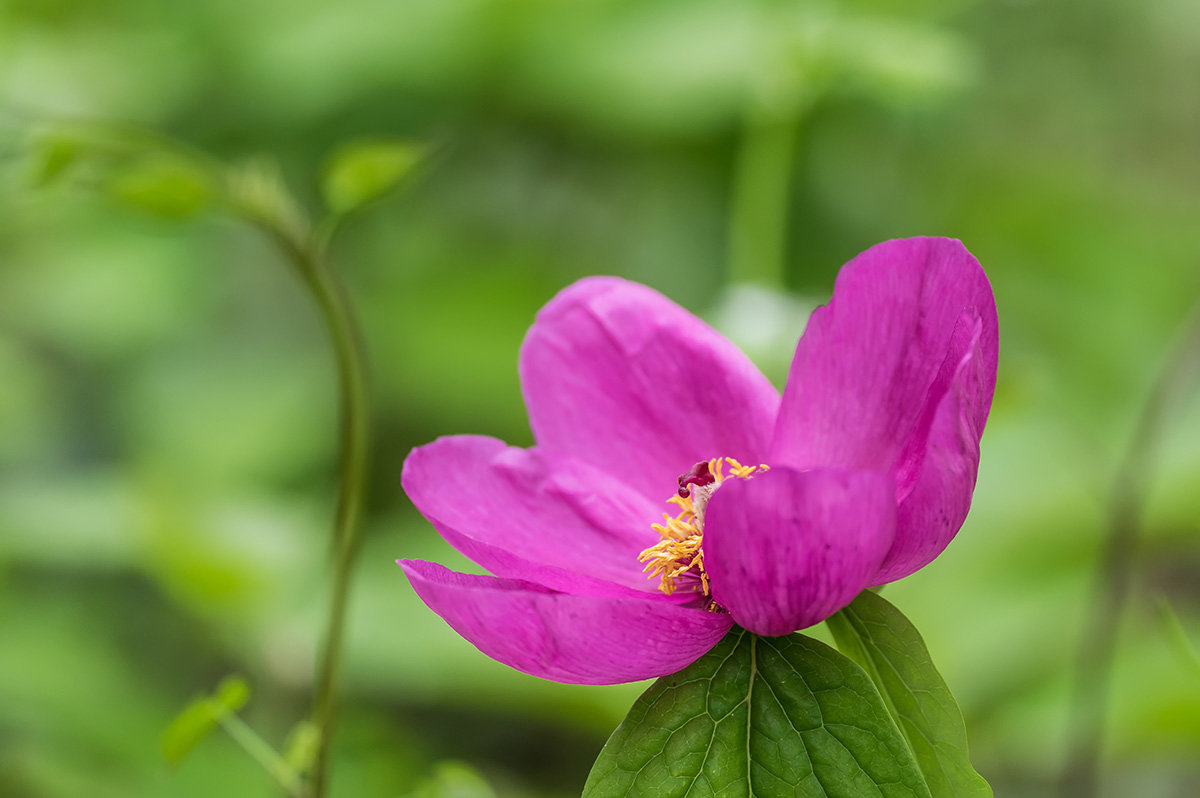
(564, 637)
(930, 516)
(617, 374)
(875, 364)
(534, 515)
(787, 549)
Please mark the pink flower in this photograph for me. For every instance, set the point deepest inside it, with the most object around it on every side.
(868, 462)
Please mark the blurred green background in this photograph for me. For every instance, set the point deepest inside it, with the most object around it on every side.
(168, 410)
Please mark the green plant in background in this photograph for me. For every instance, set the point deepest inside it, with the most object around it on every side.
(164, 424)
(168, 179)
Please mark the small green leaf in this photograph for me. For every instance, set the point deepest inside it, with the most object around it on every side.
(164, 185)
(232, 693)
(877, 636)
(1178, 637)
(201, 716)
(188, 728)
(53, 154)
(300, 752)
(454, 780)
(783, 716)
(364, 171)
(257, 193)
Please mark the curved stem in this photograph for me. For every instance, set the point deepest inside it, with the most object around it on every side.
(1114, 579)
(350, 352)
(305, 250)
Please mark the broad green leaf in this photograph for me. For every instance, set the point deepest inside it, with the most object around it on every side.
(784, 716)
(877, 636)
(364, 171)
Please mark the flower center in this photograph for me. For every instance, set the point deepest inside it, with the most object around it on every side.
(677, 559)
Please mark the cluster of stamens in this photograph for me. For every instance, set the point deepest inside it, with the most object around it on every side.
(677, 559)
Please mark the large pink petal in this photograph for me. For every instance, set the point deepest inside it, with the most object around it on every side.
(863, 385)
(787, 549)
(932, 513)
(565, 637)
(534, 515)
(896, 374)
(615, 373)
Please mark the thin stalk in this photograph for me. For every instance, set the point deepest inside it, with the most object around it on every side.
(762, 184)
(263, 753)
(350, 352)
(1114, 578)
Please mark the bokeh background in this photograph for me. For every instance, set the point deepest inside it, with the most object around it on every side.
(167, 403)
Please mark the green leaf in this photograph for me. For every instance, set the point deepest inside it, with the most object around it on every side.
(878, 636)
(784, 716)
(258, 194)
(454, 780)
(1186, 652)
(188, 728)
(364, 171)
(53, 154)
(232, 693)
(164, 185)
(300, 752)
(201, 716)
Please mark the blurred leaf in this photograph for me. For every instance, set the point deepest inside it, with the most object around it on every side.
(894, 60)
(454, 780)
(168, 186)
(1178, 637)
(232, 693)
(364, 171)
(53, 154)
(201, 716)
(258, 193)
(782, 716)
(879, 638)
(301, 750)
(188, 728)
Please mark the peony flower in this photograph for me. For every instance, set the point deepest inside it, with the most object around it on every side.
(781, 509)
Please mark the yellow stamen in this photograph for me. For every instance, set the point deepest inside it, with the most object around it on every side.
(679, 552)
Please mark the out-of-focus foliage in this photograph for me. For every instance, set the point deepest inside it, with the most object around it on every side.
(168, 414)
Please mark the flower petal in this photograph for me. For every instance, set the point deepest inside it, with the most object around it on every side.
(872, 378)
(565, 637)
(859, 385)
(930, 516)
(788, 548)
(617, 374)
(529, 514)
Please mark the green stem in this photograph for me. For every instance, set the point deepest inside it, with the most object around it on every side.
(762, 184)
(263, 753)
(1114, 579)
(350, 352)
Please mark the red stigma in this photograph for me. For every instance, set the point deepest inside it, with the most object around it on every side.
(700, 475)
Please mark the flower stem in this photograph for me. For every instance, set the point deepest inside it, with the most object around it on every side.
(1114, 579)
(338, 315)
